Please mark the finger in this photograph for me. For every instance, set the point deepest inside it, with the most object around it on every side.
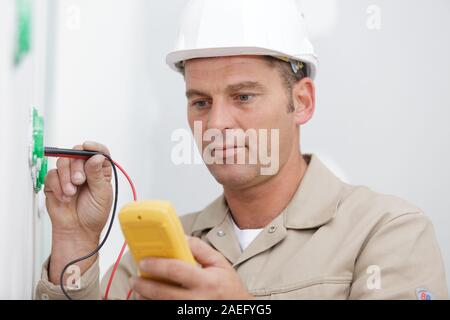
(155, 290)
(63, 166)
(205, 254)
(95, 176)
(107, 170)
(77, 169)
(174, 270)
(95, 146)
(52, 187)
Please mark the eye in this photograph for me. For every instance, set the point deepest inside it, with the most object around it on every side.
(244, 97)
(200, 104)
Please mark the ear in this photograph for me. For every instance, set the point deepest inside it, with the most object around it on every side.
(304, 97)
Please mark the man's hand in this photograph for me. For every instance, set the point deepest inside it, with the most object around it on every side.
(78, 199)
(215, 279)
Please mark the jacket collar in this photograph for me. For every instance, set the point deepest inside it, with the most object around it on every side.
(313, 205)
(316, 200)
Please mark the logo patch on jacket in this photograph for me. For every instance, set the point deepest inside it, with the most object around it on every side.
(423, 294)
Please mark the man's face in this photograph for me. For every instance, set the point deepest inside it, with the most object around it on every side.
(231, 94)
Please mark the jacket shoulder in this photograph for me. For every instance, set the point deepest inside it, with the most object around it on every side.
(361, 200)
(366, 212)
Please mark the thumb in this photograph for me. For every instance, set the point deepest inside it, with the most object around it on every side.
(94, 172)
(206, 255)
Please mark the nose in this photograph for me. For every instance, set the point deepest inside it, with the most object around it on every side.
(220, 116)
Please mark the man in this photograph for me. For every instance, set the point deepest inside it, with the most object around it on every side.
(298, 232)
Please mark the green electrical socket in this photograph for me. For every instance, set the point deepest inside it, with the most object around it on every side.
(38, 161)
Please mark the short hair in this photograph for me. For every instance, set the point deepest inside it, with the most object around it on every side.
(288, 76)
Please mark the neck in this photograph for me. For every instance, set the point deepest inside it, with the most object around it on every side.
(256, 206)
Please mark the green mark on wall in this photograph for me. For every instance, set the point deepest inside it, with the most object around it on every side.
(23, 30)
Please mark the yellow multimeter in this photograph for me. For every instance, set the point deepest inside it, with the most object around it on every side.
(152, 229)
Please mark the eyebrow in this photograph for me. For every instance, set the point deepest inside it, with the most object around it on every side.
(249, 85)
(252, 85)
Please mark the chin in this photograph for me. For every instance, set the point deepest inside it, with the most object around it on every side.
(234, 175)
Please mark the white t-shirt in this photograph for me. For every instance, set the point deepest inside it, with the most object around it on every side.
(245, 236)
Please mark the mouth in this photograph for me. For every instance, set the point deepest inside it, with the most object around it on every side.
(228, 151)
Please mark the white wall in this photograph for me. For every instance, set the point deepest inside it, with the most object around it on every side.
(21, 87)
(382, 113)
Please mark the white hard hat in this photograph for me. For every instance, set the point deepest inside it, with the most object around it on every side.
(217, 28)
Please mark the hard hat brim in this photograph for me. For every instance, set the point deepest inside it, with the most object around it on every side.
(175, 57)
